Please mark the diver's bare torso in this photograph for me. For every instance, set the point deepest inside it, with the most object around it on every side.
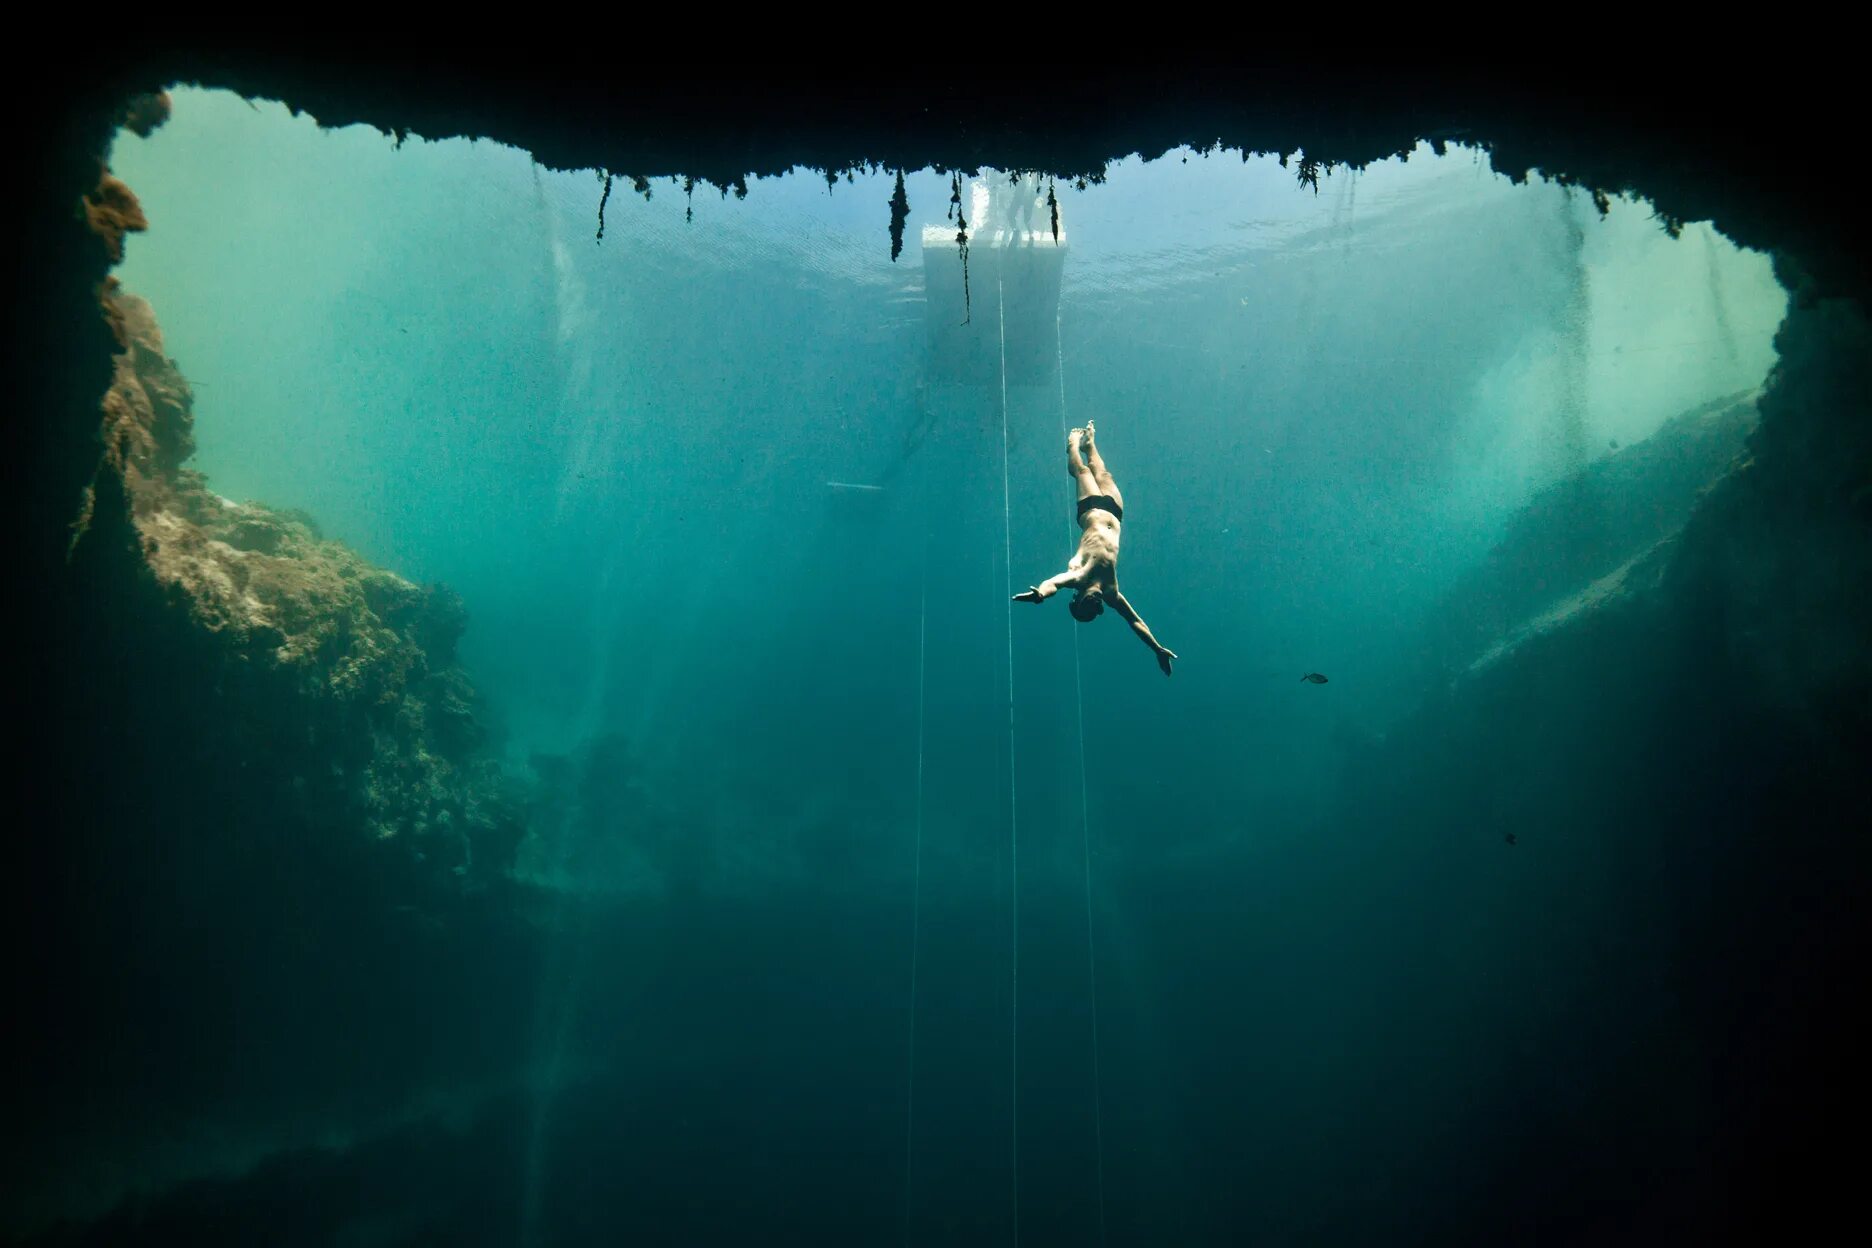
(1098, 546)
(1093, 570)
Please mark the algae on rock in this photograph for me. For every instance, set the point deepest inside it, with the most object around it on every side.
(345, 672)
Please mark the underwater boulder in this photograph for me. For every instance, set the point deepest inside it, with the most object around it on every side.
(320, 661)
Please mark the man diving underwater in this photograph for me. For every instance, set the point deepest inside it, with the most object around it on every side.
(1093, 572)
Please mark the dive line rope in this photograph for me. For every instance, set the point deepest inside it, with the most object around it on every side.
(1007, 540)
(916, 914)
(1085, 840)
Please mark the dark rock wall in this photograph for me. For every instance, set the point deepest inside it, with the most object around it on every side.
(345, 672)
(1683, 761)
(260, 872)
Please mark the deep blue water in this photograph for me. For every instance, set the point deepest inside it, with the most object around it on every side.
(1323, 407)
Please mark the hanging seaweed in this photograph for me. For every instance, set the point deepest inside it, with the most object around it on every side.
(961, 216)
(688, 190)
(602, 201)
(1308, 173)
(1053, 209)
(642, 186)
(900, 212)
(968, 310)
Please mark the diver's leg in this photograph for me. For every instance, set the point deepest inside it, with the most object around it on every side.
(1076, 466)
(1101, 475)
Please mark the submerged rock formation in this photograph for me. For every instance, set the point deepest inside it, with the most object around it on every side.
(1777, 563)
(344, 671)
(266, 900)
(1748, 517)
(1598, 533)
(1670, 738)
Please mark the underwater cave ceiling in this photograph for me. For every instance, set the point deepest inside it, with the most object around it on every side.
(1741, 148)
(1762, 151)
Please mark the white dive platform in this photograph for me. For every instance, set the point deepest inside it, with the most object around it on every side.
(1014, 266)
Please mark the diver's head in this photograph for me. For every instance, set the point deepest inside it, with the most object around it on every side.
(1086, 605)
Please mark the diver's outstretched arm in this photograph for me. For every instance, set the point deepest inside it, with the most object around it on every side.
(1068, 579)
(1164, 653)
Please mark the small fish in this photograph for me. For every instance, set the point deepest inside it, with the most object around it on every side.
(1314, 677)
(1509, 838)
(1613, 444)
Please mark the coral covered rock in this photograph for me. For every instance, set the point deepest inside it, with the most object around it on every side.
(343, 670)
(112, 211)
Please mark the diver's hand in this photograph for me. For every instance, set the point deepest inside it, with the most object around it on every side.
(1164, 657)
(1031, 594)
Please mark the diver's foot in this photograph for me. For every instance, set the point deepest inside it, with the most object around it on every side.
(1089, 433)
(1072, 439)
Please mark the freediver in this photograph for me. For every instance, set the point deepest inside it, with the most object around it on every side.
(1093, 571)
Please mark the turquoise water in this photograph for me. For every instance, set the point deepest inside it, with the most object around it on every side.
(1324, 408)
